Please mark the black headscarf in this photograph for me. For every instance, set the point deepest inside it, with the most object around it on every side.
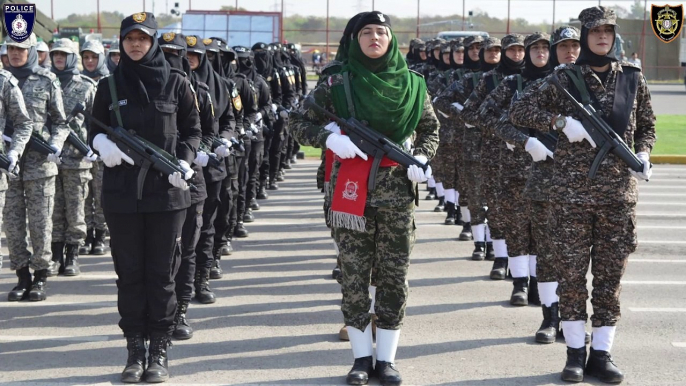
(264, 63)
(206, 74)
(483, 66)
(30, 67)
(246, 66)
(70, 69)
(278, 59)
(531, 71)
(470, 64)
(508, 66)
(586, 56)
(178, 61)
(143, 79)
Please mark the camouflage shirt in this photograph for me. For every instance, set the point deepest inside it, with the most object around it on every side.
(12, 108)
(393, 188)
(438, 82)
(570, 183)
(81, 89)
(468, 138)
(452, 126)
(43, 97)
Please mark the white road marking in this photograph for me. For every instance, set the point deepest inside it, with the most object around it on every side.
(648, 309)
(652, 282)
(28, 338)
(679, 344)
(656, 261)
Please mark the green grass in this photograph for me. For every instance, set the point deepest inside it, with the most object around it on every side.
(311, 151)
(671, 135)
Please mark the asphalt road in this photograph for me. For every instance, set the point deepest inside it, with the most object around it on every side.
(278, 314)
(668, 98)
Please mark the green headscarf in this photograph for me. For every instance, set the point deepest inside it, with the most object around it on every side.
(384, 91)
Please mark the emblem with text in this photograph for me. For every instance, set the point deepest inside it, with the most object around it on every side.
(667, 21)
(19, 20)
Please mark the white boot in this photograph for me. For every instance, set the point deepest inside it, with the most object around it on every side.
(519, 266)
(361, 341)
(479, 232)
(603, 337)
(386, 344)
(547, 291)
(466, 216)
(575, 333)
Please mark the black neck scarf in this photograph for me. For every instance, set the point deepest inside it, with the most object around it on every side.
(205, 74)
(483, 66)
(470, 64)
(454, 65)
(226, 64)
(143, 79)
(594, 60)
(70, 70)
(179, 62)
(247, 68)
(30, 67)
(111, 65)
(441, 65)
(216, 64)
(263, 63)
(278, 61)
(508, 66)
(531, 71)
(101, 70)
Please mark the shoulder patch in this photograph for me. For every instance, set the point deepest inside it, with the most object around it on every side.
(335, 80)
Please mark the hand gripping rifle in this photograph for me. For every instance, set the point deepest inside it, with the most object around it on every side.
(5, 165)
(549, 140)
(601, 132)
(213, 160)
(36, 142)
(144, 153)
(374, 144)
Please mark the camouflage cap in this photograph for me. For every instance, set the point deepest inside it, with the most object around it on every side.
(63, 45)
(457, 44)
(114, 47)
(468, 41)
(492, 42)
(536, 37)
(42, 47)
(512, 40)
(28, 43)
(597, 16)
(438, 43)
(420, 45)
(445, 48)
(93, 46)
(565, 33)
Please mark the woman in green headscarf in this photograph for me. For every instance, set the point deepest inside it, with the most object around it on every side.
(373, 227)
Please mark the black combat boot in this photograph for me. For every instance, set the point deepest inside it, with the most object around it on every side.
(98, 247)
(135, 363)
(550, 328)
(57, 263)
(254, 205)
(388, 374)
(441, 205)
(182, 330)
(203, 293)
(272, 183)
(240, 230)
(262, 191)
(520, 291)
(362, 370)
(601, 366)
(287, 165)
(248, 216)
(226, 248)
(39, 286)
(534, 298)
(86, 247)
(466, 234)
(450, 218)
(21, 291)
(336, 273)
(216, 271)
(458, 215)
(490, 254)
(432, 194)
(281, 176)
(71, 261)
(499, 270)
(479, 250)
(574, 368)
(157, 370)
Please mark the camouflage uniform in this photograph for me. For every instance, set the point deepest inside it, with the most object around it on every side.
(33, 193)
(590, 219)
(12, 109)
(68, 217)
(390, 229)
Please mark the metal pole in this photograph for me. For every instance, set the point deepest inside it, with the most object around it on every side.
(327, 31)
(643, 33)
(463, 12)
(281, 32)
(373, 7)
(508, 16)
(553, 17)
(189, 5)
(99, 25)
(236, 9)
(143, 5)
(417, 18)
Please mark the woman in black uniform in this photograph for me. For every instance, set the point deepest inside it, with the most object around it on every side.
(149, 97)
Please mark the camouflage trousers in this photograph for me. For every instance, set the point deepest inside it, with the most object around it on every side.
(514, 219)
(602, 235)
(321, 170)
(385, 244)
(68, 217)
(33, 199)
(545, 267)
(95, 218)
(490, 192)
(2, 206)
(476, 204)
(444, 166)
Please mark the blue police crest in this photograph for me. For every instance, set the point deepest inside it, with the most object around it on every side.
(19, 20)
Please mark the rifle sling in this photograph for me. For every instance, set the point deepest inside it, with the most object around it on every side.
(348, 94)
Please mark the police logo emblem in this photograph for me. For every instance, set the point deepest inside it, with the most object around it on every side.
(168, 36)
(350, 191)
(19, 20)
(207, 42)
(568, 33)
(191, 41)
(382, 18)
(667, 21)
(139, 17)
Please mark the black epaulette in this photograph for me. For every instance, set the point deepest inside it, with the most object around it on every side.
(417, 73)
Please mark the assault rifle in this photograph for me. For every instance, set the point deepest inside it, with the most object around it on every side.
(144, 153)
(78, 144)
(36, 142)
(5, 165)
(601, 133)
(375, 144)
(549, 140)
(213, 161)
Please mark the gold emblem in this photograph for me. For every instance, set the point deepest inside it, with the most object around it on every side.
(191, 41)
(169, 36)
(139, 17)
(237, 103)
(207, 42)
(667, 21)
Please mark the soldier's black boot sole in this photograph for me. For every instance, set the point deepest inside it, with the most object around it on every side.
(362, 370)
(499, 270)
(574, 368)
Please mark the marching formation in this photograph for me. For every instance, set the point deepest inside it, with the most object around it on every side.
(533, 144)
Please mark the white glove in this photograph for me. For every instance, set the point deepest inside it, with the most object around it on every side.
(225, 149)
(458, 106)
(333, 127)
(201, 158)
(537, 150)
(467, 125)
(408, 144)
(109, 151)
(176, 181)
(274, 108)
(575, 131)
(187, 168)
(284, 114)
(343, 147)
(91, 157)
(258, 118)
(417, 174)
(242, 131)
(434, 100)
(55, 158)
(13, 156)
(647, 170)
(510, 146)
